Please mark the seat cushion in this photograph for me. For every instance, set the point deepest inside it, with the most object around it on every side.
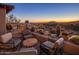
(48, 44)
(6, 37)
(15, 42)
(30, 42)
(27, 36)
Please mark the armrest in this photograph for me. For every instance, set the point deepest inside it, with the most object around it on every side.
(6, 46)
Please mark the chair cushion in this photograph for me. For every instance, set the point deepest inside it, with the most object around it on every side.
(15, 42)
(6, 37)
(30, 42)
(48, 44)
(27, 36)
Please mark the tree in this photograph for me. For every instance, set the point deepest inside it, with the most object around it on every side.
(14, 19)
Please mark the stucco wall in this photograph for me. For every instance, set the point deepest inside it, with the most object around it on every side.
(2, 21)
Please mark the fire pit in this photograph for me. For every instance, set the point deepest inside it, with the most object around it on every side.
(30, 42)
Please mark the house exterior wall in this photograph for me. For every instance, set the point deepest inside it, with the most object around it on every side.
(2, 21)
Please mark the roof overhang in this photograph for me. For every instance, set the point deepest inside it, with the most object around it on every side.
(7, 7)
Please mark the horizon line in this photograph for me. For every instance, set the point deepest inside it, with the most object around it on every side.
(55, 21)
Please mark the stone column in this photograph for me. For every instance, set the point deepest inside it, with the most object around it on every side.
(2, 21)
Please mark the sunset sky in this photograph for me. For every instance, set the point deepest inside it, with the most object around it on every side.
(45, 12)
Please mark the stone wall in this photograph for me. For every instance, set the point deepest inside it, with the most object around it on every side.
(71, 48)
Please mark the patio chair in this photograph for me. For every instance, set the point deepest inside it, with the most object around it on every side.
(47, 47)
(8, 43)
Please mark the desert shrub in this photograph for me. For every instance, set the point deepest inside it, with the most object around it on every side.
(74, 39)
